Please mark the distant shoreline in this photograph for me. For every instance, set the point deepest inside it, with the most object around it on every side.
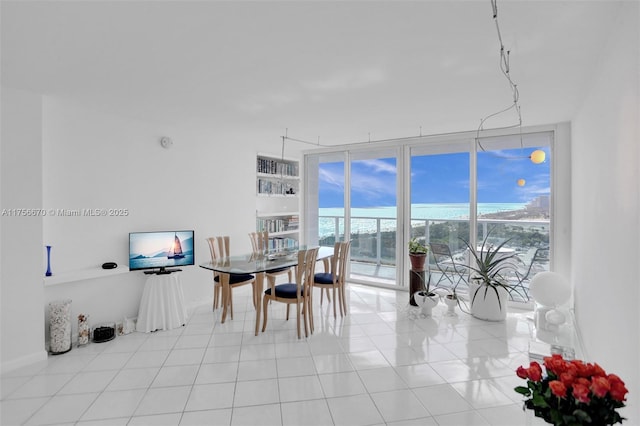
(528, 213)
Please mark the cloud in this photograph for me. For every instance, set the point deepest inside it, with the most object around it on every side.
(333, 181)
(366, 184)
(379, 166)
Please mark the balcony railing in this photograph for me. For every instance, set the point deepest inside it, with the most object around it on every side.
(373, 243)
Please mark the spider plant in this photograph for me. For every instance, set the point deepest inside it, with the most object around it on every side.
(488, 268)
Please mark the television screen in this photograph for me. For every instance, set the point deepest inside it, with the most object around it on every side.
(160, 250)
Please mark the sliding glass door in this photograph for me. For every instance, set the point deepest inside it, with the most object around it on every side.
(373, 218)
(514, 202)
(440, 200)
(444, 191)
(326, 199)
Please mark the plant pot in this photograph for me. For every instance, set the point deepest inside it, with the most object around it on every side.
(451, 301)
(417, 261)
(426, 302)
(416, 284)
(486, 307)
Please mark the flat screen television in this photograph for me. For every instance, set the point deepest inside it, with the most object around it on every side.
(161, 252)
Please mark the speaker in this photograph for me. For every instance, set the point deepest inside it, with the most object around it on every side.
(109, 265)
(104, 333)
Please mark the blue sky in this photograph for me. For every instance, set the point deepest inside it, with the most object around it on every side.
(442, 178)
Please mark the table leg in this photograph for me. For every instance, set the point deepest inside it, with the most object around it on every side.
(224, 282)
(258, 290)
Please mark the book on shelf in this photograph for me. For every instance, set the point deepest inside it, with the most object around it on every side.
(275, 167)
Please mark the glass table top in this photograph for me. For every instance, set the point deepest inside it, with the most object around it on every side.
(261, 262)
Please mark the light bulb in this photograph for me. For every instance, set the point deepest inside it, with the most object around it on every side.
(537, 156)
(521, 182)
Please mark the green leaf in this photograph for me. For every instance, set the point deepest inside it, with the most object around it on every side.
(582, 415)
(539, 401)
(523, 390)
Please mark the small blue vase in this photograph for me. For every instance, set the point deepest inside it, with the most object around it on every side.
(48, 273)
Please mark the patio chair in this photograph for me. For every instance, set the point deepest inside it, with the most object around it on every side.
(450, 272)
(531, 263)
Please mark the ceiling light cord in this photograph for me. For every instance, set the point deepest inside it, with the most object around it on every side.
(505, 68)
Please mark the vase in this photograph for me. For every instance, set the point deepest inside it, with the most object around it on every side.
(484, 303)
(48, 273)
(417, 261)
(83, 330)
(451, 303)
(60, 327)
(426, 302)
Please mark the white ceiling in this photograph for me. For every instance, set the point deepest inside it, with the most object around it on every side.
(340, 71)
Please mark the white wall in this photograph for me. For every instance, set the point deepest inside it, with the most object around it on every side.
(606, 215)
(93, 159)
(21, 251)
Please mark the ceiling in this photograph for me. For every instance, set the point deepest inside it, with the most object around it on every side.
(335, 72)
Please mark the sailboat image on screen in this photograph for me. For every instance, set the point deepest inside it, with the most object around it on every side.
(175, 252)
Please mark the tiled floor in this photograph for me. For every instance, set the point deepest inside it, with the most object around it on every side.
(382, 364)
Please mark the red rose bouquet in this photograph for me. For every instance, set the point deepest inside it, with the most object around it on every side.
(572, 392)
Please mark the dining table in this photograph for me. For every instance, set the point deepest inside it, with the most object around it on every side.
(257, 264)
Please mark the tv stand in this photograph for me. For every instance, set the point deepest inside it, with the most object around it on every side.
(162, 271)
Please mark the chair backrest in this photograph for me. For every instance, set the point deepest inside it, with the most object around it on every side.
(259, 241)
(440, 249)
(306, 268)
(540, 255)
(219, 247)
(340, 259)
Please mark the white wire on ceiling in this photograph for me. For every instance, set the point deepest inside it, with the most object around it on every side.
(504, 68)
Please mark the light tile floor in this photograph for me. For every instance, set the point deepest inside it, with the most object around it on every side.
(381, 364)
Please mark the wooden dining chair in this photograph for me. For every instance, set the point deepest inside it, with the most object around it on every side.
(219, 247)
(260, 245)
(297, 292)
(333, 278)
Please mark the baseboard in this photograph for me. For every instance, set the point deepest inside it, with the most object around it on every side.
(23, 361)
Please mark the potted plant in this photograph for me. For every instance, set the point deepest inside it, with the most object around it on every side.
(451, 300)
(488, 288)
(425, 299)
(417, 254)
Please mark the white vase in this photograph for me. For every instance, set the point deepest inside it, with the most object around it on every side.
(451, 303)
(486, 306)
(426, 302)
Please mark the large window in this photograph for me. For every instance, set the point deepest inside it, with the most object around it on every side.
(446, 191)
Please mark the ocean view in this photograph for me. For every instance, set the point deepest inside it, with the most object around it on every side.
(362, 223)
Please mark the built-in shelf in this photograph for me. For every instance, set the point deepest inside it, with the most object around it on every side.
(278, 199)
(276, 214)
(83, 274)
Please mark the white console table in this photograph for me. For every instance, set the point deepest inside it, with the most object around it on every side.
(162, 305)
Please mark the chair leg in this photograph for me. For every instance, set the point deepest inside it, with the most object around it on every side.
(334, 303)
(231, 302)
(344, 298)
(288, 311)
(305, 318)
(254, 296)
(216, 296)
(298, 315)
(265, 302)
(310, 311)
